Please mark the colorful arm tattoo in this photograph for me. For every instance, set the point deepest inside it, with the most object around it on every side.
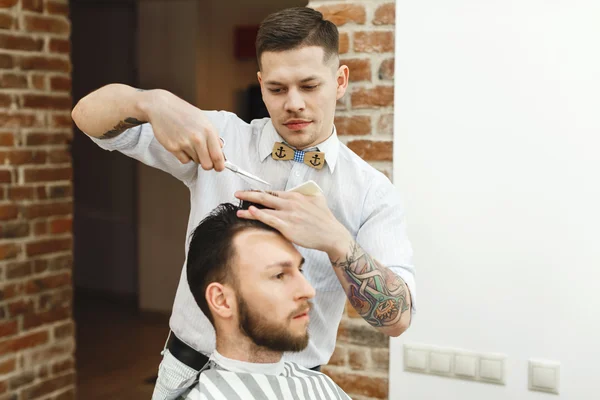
(377, 294)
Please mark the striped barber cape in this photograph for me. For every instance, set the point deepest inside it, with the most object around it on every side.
(296, 383)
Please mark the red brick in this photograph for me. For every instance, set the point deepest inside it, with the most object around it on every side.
(40, 228)
(385, 14)
(20, 157)
(9, 365)
(381, 359)
(385, 125)
(373, 42)
(6, 100)
(59, 156)
(48, 246)
(12, 230)
(13, 81)
(18, 193)
(48, 282)
(45, 317)
(339, 356)
(355, 125)
(40, 266)
(7, 328)
(61, 121)
(54, 351)
(65, 330)
(43, 372)
(386, 70)
(61, 225)
(20, 380)
(39, 390)
(41, 63)
(358, 358)
(354, 383)
(7, 61)
(38, 82)
(63, 366)
(56, 299)
(21, 43)
(10, 291)
(41, 192)
(60, 263)
(48, 174)
(47, 102)
(7, 139)
(362, 334)
(8, 3)
(18, 270)
(5, 176)
(38, 139)
(60, 83)
(19, 120)
(67, 395)
(62, 46)
(4, 389)
(6, 21)
(371, 150)
(8, 211)
(360, 69)
(33, 5)
(47, 210)
(341, 14)
(20, 307)
(379, 96)
(55, 7)
(60, 191)
(344, 44)
(43, 24)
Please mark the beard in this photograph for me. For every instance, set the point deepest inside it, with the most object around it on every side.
(273, 336)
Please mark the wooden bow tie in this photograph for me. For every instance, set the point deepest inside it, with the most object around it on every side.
(314, 159)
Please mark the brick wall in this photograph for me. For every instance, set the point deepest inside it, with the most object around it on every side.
(36, 327)
(364, 122)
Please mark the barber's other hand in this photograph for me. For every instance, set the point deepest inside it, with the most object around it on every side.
(304, 220)
(184, 130)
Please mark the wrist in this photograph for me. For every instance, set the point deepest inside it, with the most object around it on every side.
(340, 245)
(147, 101)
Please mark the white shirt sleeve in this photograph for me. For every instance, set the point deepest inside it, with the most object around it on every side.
(139, 143)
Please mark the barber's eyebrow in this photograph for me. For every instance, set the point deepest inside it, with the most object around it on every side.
(286, 264)
(310, 78)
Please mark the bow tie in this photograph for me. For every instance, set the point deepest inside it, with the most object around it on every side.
(314, 159)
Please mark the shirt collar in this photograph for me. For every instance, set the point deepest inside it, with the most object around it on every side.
(269, 136)
(232, 365)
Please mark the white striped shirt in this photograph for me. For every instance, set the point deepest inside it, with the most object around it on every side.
(295, 383)
(359, 196)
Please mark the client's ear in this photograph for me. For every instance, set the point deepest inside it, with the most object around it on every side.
(220, 300)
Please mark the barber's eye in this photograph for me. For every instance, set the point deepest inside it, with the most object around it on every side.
(275, 91)
(312, 87)
(301, 270)
(280, 276)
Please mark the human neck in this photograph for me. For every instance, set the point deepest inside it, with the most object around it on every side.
(241, 348)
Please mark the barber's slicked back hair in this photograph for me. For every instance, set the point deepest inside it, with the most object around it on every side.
(211, 250)
(297, 27)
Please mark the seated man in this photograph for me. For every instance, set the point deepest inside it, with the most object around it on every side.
(247, 279)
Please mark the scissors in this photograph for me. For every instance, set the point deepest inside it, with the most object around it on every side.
(247, 176)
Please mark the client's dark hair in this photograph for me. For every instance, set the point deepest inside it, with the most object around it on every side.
(211, 250)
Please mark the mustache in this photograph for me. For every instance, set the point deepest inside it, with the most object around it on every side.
(305, 308)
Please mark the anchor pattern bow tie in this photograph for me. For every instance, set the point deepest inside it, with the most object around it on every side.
(314, 159)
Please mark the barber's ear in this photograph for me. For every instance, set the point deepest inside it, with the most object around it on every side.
(342, 78)
(221, 300)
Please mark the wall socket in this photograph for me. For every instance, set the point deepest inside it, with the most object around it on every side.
(455, 363)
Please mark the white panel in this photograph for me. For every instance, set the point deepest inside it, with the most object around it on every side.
(491, 368)
(465, 365)
(440, 363)
(544, 376)
(416, 358)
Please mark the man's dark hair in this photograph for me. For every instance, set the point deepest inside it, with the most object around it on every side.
(211, 250)
(297, 27)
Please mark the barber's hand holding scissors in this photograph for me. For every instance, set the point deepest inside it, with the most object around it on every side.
(304, 220)
(184, 130)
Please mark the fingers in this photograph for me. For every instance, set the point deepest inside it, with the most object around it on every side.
(215, 152)
(267, 199)
(182, 157)
(265, 216)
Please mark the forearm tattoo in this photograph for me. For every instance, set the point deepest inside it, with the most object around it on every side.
(377, 294)
(121, 127)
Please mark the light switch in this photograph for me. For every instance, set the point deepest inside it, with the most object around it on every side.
(415, 358)
(544, 376)
(465, 365)
(491, 368)
(440, 362)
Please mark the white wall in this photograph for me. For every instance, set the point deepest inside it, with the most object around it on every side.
(496, 152)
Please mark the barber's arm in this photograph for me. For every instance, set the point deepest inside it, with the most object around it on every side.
(182, 129)
(378, 294)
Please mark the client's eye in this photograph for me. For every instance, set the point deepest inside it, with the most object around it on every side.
(280, 276)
